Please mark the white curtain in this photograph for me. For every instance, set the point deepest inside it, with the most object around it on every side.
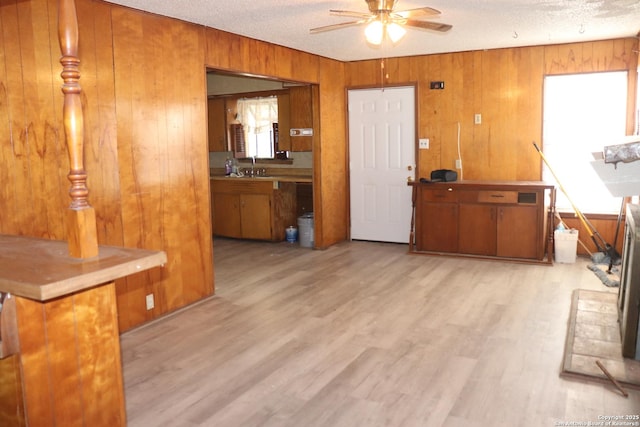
(258, 114)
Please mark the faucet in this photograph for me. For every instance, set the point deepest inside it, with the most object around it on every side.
(253, 164)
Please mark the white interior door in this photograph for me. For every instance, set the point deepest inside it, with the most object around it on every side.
(382, 141)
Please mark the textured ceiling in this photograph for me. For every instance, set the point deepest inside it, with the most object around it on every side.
(477, 24)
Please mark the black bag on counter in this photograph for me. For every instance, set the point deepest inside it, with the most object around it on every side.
(443, 175)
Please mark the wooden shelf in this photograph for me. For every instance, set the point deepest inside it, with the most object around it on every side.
(42, 269)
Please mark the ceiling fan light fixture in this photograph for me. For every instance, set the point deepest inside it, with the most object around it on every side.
(374, 32)
(395, 32)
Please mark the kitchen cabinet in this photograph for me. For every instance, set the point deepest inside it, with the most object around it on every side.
(252, 208)
(296, 110)
(284, 122)
(226, 214)
(255, 216)
(485, 218)
(217, 124)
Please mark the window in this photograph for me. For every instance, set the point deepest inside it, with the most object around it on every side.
(582, 114)
(257, 116)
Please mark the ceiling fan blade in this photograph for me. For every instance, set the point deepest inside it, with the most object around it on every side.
(336, 26)
(421, 11)
(350, 14)
(428, 25)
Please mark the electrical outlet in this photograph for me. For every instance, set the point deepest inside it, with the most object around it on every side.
(477, 119)
(424, 143)
(150, 302)
(458, 164)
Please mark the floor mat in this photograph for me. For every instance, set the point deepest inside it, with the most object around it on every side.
(611, 278)
(593, 335)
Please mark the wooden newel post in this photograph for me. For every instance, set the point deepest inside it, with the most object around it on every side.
(81, 217)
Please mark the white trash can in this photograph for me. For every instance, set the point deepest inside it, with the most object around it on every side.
(566, 246)
(305, 230)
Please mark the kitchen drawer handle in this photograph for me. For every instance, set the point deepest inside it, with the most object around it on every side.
(498, 195)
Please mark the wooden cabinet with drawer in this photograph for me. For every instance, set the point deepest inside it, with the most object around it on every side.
(486, 219)
(439, 231)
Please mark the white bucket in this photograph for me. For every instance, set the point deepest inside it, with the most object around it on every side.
(566, 246)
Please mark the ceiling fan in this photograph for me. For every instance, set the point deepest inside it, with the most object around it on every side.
(383, 20)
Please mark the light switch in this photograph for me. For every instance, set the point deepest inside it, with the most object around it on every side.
(477, 119)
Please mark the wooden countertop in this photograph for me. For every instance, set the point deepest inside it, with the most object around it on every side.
(493, 185)
(41, 269)
(278, 178)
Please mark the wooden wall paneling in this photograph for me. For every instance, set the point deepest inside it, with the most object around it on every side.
(307, 67)
(395, 73)
(100, 124)
(528, 107)
(53, 158)
(603, 55)
(63, 372)
(70, 353)
(11, 78)
(428, 105)
(242, 57)
(492, 84)
(167, 156)
(265, 53)
(283, 62)
(129, 76)
(587, 62)
(448, 115)
(98, 342)
(606, 228)
(631, 49)
(509, 139)
(29, 144)
(169, 148)
(23, 95)
(466, 105)
(363, 73)
(331, 179)
(197, 258)
(11, 398)
(216, 41)
(479, 135)
(241, 54)
(31, 317)
(560, 59)
(625, 53)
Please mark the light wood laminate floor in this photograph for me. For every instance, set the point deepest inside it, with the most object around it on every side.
(364, 334)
